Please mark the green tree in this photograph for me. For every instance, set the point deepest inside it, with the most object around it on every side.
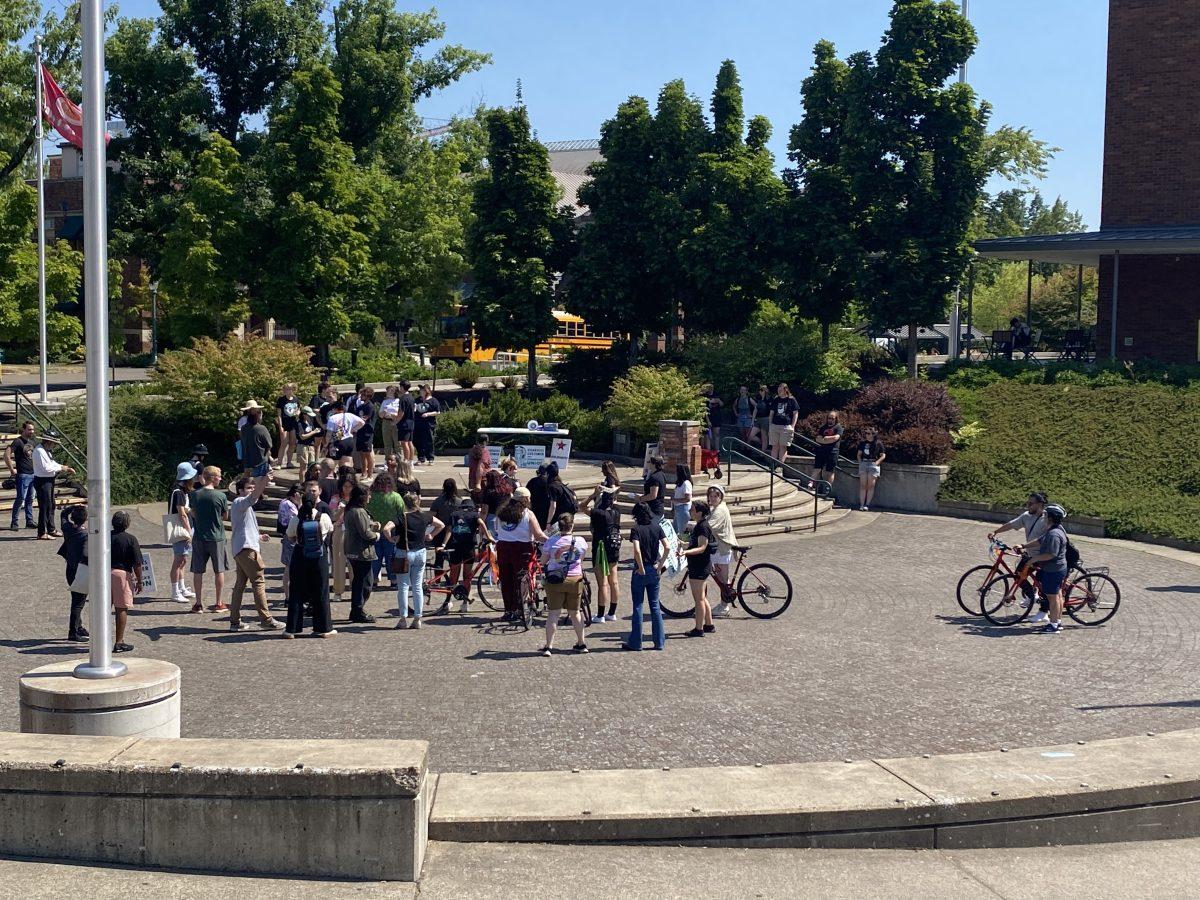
(917, 161)
(646, 395)
(204, 257)
(378, 59)
(247, 49)
(518, 240)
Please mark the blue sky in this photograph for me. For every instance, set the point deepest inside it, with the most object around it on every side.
(1041, 63)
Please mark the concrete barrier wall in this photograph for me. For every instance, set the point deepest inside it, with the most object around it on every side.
(334, 809)
(902, 488)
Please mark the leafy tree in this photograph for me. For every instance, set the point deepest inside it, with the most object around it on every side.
(377, 58)
(645, 395)
(518, 240)
(247, 49)
(204, 257)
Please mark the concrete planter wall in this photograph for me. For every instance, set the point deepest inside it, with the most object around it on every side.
(901, 487)
(1087, 526)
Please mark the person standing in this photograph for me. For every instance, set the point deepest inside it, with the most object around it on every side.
(713, 406)
(406, 481)
(389, 411)
(1051, 560)
(247, 555)
(762, 417)
(539, 495)
(829, 441)
(681, 509)
(18, 456)
(654, 489)
(341, 427)
(126, 575)
(385, 505)
(309, 531)
(210, 509)
(517, 529)
(649, 554)
(361, 535)
(74, 552)
(364, 438)
(308, 432)
(871, 454)
(199, 455)
(604, 522)
(562, 498)
(698, 556)
(720, 522)
(1034, 523)
(406, 423)
(45, 470)
(427, 411)
(496, 486)
(410, 533)
(288, 507)
(785, 413)
(179, 505)
(743, 411)
(287, 423)
(479, 463)
(465, 525)
(324, 405)
(256, 442)
(337, 511)
(562, 561)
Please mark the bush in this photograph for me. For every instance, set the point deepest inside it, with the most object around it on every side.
(647, 395)
(466, 374)
(208, 383)
(895, 406)
(457, 426)
(919, 447)
(375, 365)
(1083, 445)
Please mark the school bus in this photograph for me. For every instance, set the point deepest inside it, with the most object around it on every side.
(459, 343)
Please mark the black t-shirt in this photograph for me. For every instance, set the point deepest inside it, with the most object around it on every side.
(366, 412)
(602, 523)
(22, 454)
(649, 538)
(306, 424)
(829, 431)
(656, 478)
(432, 405)
(762, 407)
(700, 565)
(871, 449)
(782, 410)
(564, 499)
(408, 487)
(126, 551)
(405, 416)
(324, 411)
(415, 524)
(289, 412)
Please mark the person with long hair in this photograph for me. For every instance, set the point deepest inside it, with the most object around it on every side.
(337, 508)
(871, 454)
(517, 529)
(361, 535)
(720, 522)
(180, 505)
(698, 557)
(308, 531)
(385, 505)
(406, 481)
(410, 533)
(604, 522)
(681, 509)
(562, 559)
(649, 554)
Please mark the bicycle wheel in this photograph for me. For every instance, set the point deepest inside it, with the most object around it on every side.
(585, 602)
(969, 587)
(764, 591)
(996, 604)
(1092, 599)
(676, 599)
(487, 589)
(525, 600)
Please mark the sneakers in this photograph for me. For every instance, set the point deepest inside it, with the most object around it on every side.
(466, 606)
(862, 509)
(1051, 628)
(197, 608)
(122, 648)
(238, 626)
(218, 607)
(187, 591)
(362, 619)
(695, 632)
(416, 624)
(722, 610)
(709, 629)
(328, 634)
(545, 651)
(1038, 617)
(443, 609)
(269, 624)
(289, 635)
(77, 637)
(581, 648)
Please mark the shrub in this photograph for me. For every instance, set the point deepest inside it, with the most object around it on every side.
(648, 394)
(375, 365)
(919, 447)
(466, 375)
(458, 425)
(588, 375)
(963, 437)
(209, 382)
(895, 406)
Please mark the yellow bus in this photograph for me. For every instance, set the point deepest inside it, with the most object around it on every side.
(459, 343)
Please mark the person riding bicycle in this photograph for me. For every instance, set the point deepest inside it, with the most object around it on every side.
(1051, 562)
(1035, 524)
(459, 542)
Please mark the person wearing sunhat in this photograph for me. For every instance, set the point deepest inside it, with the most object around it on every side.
(307, 432)
(256, 442)
(46, 470)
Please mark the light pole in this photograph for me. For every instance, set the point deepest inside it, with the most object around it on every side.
(95, 283)
(154, 323)
(39, 137)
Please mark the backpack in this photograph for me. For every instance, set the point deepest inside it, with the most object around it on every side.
(310, 539)
(496, 488)
(462, 526)
(1072, 555)
(567, 501)
(612, 541)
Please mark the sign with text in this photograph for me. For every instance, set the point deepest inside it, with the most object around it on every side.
(560, 452)
(651, 450)
(529, 456)
(493, 451)
(148, 585)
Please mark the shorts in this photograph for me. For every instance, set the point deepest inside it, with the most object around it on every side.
(600, 559)
(203, 551)
(781, 434)
(825, 460)
(700, 572)
(867, 467)
(260, 471)
(182, 549)
(745, 421)
(459, 553)
(285, 552)
(763, 424)
(564, 596)
(404, 431)
(290, 426)
(1051, 582)
(122, 589)
(364, 441)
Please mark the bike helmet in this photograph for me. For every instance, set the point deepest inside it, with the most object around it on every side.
(1056, 512)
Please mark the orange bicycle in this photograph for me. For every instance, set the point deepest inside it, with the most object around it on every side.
(975, 581)
(1090, 596)
(763, 590)
(483, 572)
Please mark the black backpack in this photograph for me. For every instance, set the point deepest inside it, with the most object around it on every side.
(567, 501)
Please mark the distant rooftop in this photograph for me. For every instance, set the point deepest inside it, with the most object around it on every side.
(569, 161)
(567, 146)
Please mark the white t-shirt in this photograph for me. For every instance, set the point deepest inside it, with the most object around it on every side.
(556, 550)
(342, 425)
(521, 532)
(245, 525)
(389, 408)
(683, 490)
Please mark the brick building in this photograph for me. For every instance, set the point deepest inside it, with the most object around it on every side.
(1148, 245)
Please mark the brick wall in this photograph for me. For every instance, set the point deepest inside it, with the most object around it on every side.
(1152, 126)
(1158, 307)
(679, 442)
(63, 197)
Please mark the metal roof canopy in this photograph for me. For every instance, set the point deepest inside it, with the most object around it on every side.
(1088, 247)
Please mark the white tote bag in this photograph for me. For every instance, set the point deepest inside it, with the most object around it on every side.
(79, 584)
(173, 530)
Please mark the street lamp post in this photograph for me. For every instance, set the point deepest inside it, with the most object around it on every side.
(95, 282)
(154, 324)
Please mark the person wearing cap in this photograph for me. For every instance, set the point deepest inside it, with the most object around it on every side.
(256, 442)
(720, 522)
(180, 505)
(199, 454)
(45, 470)
(655, 490)
(308, 431)
(1051, 560)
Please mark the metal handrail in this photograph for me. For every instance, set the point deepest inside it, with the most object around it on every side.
(844, 463)
(24, 407)
(759, 459)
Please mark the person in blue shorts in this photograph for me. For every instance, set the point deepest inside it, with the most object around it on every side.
(1052, 565)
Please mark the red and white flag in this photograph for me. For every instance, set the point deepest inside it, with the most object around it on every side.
(62, 112)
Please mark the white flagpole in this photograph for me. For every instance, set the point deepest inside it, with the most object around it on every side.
(95, 284)
(41, 214)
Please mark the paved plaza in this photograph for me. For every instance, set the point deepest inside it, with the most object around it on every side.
(873, 659)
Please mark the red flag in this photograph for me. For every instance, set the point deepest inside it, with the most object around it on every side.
(62, 112)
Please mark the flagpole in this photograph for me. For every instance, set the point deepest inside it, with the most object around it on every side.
(41, 214)
(95, 284)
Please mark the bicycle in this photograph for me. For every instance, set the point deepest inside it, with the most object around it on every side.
(1090, 598)
(977, 579)
(763, 590)
(530, 593)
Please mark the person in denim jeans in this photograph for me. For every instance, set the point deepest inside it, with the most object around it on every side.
(19, 458)
(409, 533)
(649, 554)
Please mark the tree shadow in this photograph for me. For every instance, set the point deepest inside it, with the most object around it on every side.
(1166, 704)
(45, 647)
(1175, 589)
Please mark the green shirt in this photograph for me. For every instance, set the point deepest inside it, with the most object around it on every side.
(209, 507)
(384, 508)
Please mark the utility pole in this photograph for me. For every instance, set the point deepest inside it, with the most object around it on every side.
(39, 139)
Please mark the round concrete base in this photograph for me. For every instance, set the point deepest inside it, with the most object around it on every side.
(144, 702)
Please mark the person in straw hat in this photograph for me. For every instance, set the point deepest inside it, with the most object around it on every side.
(256, 442)
(46, 470)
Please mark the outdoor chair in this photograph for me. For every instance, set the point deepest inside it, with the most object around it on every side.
(1074, 345)
(1001, 344)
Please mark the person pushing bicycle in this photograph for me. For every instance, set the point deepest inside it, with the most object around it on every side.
(1051, 562)
(1035, 524)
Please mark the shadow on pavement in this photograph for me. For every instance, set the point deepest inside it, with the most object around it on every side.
(1166, 704)
(970, 625)
(1176, 589)
(45, 647)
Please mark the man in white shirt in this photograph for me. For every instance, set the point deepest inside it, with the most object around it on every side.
(45, 470)
(247, 559)
(1035, 524)
(341, 427)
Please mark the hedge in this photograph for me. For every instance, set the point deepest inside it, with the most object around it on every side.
(1123, 453)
